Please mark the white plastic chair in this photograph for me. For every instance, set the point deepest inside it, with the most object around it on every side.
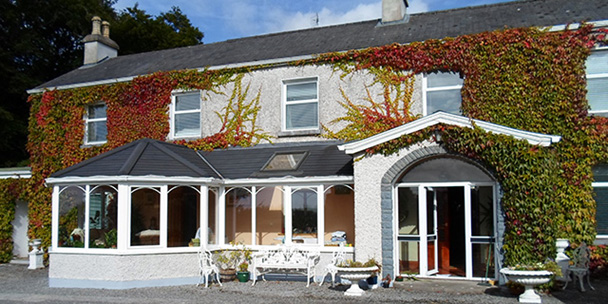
(207, 267)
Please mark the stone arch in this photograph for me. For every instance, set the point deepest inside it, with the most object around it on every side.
(393, 174)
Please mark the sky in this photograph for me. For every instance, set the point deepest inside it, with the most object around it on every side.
(221, 20)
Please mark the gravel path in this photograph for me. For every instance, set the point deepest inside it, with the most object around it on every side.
(20, 285)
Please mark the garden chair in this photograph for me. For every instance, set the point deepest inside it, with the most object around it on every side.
(339, 257)
(207, 267)
(579, 268)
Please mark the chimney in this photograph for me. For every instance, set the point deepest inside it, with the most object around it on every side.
(98, 45)
(394, 11)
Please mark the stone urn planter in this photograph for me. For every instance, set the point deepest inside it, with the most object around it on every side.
(354, 274)
(530, 279)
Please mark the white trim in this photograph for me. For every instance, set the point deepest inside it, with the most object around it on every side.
(173, 112)
(88, 120)
(55, 218)
(287, 193)
(288, 180)
(448, 119)
(15, 173)
(148, 179)
(285, 103)
(574, 26)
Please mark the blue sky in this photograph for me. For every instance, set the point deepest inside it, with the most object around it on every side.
(227, 19)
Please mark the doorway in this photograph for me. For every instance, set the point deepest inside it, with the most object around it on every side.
(446, 228)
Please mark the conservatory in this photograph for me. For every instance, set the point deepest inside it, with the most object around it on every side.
(136, 216)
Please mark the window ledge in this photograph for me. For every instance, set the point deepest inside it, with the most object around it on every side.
(299, 133)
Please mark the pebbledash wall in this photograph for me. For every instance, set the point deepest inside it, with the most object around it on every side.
(269, 82)
(375, 178)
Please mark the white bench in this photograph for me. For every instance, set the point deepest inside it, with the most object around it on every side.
(287, 259)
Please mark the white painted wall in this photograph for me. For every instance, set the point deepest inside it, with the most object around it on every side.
(20, 226)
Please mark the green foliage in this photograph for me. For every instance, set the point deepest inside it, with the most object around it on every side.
(9, 192)
(236, 255)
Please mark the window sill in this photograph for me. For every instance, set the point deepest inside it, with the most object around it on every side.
(299, 133)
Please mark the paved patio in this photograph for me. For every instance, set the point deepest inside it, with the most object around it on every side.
(20, 285)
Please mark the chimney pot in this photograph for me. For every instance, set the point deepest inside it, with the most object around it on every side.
(96, 26)
(105, 29)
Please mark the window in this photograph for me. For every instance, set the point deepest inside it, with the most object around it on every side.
(145, 215)
(442, 93)
(301, 103)
(284, 161)
(597, 81)
(95, 124)
(600, 189)
(186, 115)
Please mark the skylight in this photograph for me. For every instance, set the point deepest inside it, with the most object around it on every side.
(284, 161)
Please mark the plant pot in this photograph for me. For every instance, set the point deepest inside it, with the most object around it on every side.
(243, 276)
(373, 280)
(227, 275)
(528, 278)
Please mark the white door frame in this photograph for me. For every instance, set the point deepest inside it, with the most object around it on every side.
(422, 224)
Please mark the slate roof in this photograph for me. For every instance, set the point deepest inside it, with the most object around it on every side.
(420, 27)
(140, 158)
(323, 159)
(152, 157)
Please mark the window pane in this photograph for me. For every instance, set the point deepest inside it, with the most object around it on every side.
(187, 124)
(600, 173)
(408, 257)
(304, 216)
(597, 62)
(408, 211)
(238, 216)
(339, 215)
(601, 198)
(71, 217)
(483, 260)
(183, 220)
(103, 217)
(447, 101)
(97, 111)
(435, 80)
(445, 170)
(270, 221)
(185, 102)
(97, 131)
(597, 93)
(301, 91)
(482, 219)
(286, 161)
(145, 215)
(302, 116)
(211, 220)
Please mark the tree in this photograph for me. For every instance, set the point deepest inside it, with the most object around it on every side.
(41, 39)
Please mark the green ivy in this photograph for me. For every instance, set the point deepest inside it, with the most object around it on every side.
(9, 192)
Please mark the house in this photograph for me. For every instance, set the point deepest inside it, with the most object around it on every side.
(436, 156)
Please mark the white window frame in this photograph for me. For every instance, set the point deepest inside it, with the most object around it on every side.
(426, 89)
(174, 112)
(603, 237)
(88, 120)
(598, 76)
(284, 102)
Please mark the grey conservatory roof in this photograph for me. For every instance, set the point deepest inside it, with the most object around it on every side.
(152, 157)
(420, 27)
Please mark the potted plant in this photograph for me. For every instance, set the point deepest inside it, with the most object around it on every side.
(229, 258)
(355, 271)
(530, 275)
(243, 273)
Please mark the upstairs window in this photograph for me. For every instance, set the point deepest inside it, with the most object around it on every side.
(186, 115)
(597, 81)
(95, 124)
(442, 93)
(600, 194)
(301, 104)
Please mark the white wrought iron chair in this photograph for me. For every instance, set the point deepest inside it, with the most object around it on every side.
(207, 267)
(338, 257)
(579, 269)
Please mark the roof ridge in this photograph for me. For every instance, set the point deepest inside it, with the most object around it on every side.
(178, 158)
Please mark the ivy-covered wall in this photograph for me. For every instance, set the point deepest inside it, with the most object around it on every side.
(10, 191)
(522, 78)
